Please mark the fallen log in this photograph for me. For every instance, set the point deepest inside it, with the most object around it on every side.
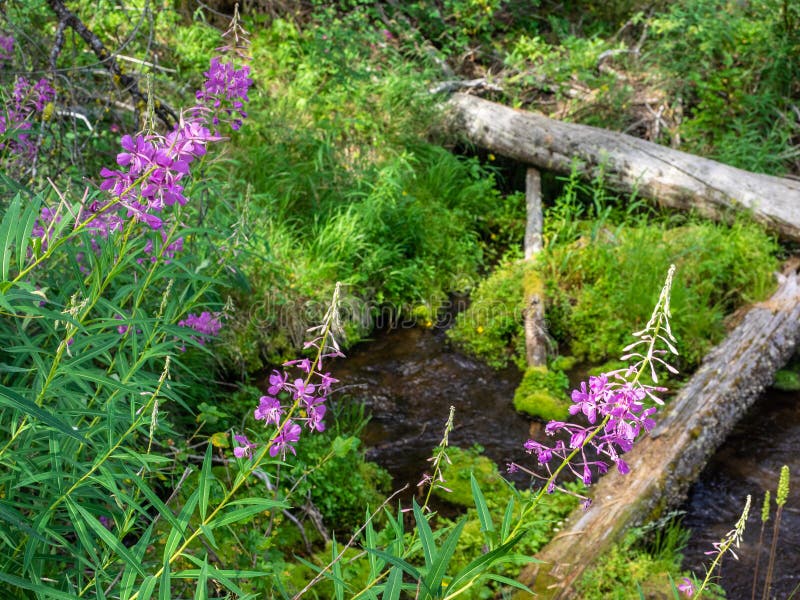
(668, 177)
(533, 316)
(664, 464)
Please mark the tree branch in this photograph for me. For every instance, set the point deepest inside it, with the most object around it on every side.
(124, 81)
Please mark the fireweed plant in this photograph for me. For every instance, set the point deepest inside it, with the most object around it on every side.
(99, 307)
(613, 405)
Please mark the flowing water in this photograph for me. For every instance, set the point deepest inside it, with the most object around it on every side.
(409, 378)
(748, 463)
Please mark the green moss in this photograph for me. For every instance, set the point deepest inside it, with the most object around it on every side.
(456, 473)
(541, 394)
(491, 328)
(787, 380)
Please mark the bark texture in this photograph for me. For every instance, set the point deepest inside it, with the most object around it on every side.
(535, 331)
(669, 177)
(664, 464)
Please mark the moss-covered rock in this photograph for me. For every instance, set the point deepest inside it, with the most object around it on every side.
(463, 463)
(541, 394)
(787, 380)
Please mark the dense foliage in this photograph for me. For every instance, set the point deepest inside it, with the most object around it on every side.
(181, 202)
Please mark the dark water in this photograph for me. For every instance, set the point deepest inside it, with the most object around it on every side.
(748, 463)
(408, 379)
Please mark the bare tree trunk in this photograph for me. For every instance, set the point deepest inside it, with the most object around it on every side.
(668, 177)
(535, 333)
(664, 464)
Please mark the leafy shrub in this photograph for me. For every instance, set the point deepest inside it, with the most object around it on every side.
(735, 66)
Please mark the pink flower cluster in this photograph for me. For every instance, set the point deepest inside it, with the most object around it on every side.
(616, 415)
(205, 324)
(27, 100)
(152, 169)
(225, 91)
(151, 178)
(290, 402)
(6, 47)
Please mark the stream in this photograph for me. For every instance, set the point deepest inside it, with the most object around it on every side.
(408, 379)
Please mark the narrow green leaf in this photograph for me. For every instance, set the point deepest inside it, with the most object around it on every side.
(177, 533)
(256, 505)
(111, 540)
(205, 483)
(40, 589)
(397, 562)
(338, 584)
(10, 515)
(201, 591)
(512, 582)
(508, 518)
(436, 573)
(82, 532)
(165, 582)
(478, 566)
(12, 399)
(394, 583)
(147, 587)
(129, 576)
(8, 233)
(24, 238)
(375, 564)
(425, 535)
(480, 504)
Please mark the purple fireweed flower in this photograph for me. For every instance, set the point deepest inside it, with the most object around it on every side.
(613, 406)
(303, 364)
(225, 92)
(121, 329)
(6, 47)
(326, 382)
(269, 410)
(206, 325)
(303, 391)
(686, 587)
(315, 413)
(284, 440)
(21, 111)
(245, 446)
(277, 382)
(616, 416)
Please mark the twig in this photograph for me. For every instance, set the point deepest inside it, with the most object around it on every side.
(126, 82)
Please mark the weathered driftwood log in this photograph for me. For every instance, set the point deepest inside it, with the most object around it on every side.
(535, 332)
(669, 177)
(664, 464)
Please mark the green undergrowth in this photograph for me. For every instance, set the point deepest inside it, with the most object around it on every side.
(542, 394)
(545, 522)
(602, 268)
(336, 181)
(645, 564)
(787, 379)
